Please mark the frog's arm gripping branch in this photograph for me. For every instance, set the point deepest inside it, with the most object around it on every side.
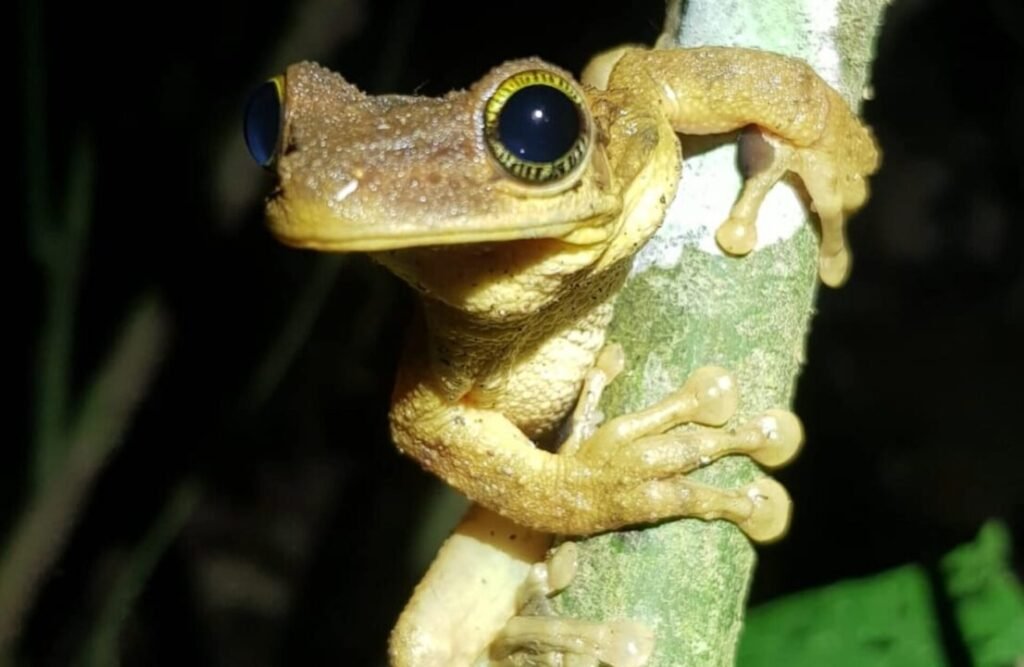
(629, 472)
(710, 90)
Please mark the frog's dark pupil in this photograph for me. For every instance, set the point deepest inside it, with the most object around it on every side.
(539, 123)
(263, 123)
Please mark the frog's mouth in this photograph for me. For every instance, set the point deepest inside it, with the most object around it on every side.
(314, 225)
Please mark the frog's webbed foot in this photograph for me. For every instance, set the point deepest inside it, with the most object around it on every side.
(709, 397)
(550, 641)
(536, 638)
(649, 462)
(837, 186)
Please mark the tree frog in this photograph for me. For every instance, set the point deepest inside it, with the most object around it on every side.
(514, 209)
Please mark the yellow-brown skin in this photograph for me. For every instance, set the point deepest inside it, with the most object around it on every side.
(516, 283)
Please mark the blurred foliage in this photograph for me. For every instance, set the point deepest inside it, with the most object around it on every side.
(896, 618)
(987, 599)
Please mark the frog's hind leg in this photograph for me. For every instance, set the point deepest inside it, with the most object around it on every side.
(468, 594)
(537, 638)
(569, 642)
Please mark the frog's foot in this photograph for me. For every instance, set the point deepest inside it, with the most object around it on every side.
(538, 638)
(836, 183)
(649, 464)
(550, 640)
(546, 578)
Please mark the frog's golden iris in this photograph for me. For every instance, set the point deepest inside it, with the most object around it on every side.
(536, 126)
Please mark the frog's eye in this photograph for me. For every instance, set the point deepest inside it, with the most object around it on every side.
(536, 127)
(262, 125)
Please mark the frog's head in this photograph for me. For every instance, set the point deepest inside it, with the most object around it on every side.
(516, 156)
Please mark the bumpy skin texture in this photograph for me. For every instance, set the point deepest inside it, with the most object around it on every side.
(517, 283)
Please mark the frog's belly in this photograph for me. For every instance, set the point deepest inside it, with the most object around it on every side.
(542, 389)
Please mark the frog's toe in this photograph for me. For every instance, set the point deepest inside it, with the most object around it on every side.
(771, 509)
(762, 169)
(834, 269)
(781, 436)
(550, 639)
(835, 179)
(714, 393)
(737, 236)
(833, 197)
(760, 509)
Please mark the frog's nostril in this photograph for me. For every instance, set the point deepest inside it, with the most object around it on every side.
(262, 122)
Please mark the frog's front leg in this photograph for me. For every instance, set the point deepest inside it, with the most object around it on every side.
(629, 471)
(535, 637)
(476, 582)
(807, 128)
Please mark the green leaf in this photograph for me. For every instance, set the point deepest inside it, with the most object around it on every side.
(892, 618)
(883, 621)
(987, 598)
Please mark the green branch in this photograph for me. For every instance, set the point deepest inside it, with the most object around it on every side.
(686, 306)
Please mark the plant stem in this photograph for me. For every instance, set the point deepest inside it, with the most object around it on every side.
(684, 306)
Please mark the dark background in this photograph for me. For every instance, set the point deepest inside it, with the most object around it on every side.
(254, 512)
